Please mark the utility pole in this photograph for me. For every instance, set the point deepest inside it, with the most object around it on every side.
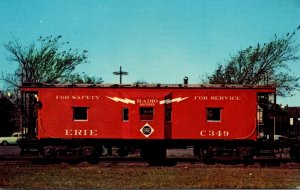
(121, 73)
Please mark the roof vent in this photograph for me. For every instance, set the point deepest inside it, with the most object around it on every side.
(185, 81)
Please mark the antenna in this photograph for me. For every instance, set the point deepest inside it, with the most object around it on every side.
(121, 73)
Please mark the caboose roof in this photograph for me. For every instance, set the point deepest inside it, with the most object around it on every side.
(158, 85)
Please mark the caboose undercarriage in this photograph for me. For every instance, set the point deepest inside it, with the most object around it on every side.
(153, 152)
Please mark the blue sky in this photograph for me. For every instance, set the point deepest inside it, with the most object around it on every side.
(157, 41)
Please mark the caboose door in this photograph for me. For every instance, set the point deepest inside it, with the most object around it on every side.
(168, 116)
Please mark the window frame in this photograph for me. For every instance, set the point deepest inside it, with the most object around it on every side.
(123, 114)
(212, 119)
(168, 115)
(140, 113)
(86, 114)
(292, 121)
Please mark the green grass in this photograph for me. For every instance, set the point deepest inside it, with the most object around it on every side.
(141, 177)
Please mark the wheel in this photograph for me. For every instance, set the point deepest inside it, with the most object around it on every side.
(123, 151)
(154, 154)
(245, 155)
(295, 153)
(4, 143)
(248, 160)
(199, 153)
(93, 160)
(208, 159)
(92, 154)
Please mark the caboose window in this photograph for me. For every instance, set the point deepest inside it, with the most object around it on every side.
(80, 113)
(213, 114)
(125, 114)
(168, 115)
(146, 114)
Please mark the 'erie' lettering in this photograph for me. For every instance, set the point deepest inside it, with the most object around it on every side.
(81, 132)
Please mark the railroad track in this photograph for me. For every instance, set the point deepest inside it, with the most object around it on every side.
(35, 160)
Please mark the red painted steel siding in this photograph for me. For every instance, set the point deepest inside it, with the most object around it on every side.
(189, 118)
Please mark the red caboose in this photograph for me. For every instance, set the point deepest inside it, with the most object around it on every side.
(152, 117)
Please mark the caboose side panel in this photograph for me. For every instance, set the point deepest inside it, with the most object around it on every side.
(99, 113)
(78, 113)
(148, 113)
(145, 113)
(215, 114)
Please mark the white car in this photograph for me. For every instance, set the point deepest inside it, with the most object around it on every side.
(12, 140)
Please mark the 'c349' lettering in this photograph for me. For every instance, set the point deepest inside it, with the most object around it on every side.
(214, 133)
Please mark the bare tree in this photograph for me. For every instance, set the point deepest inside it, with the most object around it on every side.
(45, 63)
(140, 82)
(82, 78)
(265, 64)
